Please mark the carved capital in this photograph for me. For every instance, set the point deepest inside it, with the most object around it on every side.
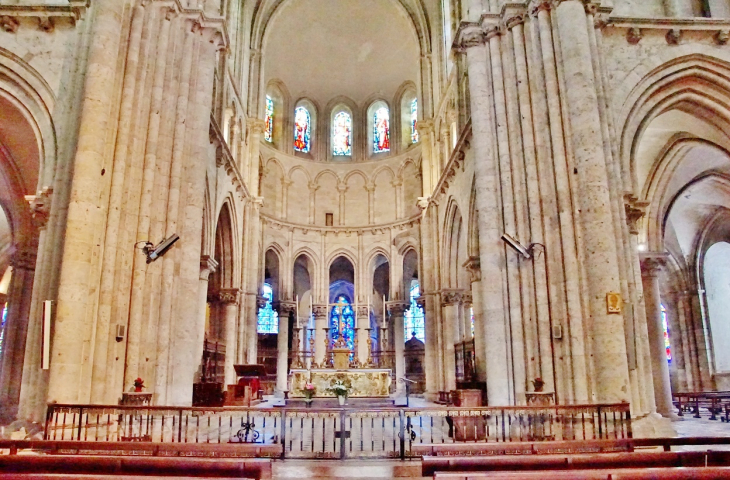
(320, 311)
(467, 299)
(260, 301)
(512, 22)
(469, 35)
(256, 126)
(722, 37)
(229, 295)
(451, 296)
(397, 308)
(474, 267)
(363, 311)
(208, 265)
(422, 203)
(540, 7)
(635, 211)
(9, 24)
(652, 263)
(421, 302)
(284, 307)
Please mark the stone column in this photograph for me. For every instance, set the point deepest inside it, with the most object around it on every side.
(491, 251)
(679, 8)
(363, 322)
(428, 301)
(466, 308)
(396, 309)
(370, 187)
(593, 203)
(208, 265)
(480, 341)
(282, 357)
(229, 298)
(15, 333)
(450, 300)
(320, 313)
(341, 189)
(651, 266)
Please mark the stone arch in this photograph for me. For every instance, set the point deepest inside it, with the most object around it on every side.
(454, 253)
(384, 199)
(282, 126)
(356, 210)
(315, 133)
(272, 188)
(405, 94)
(334, 106)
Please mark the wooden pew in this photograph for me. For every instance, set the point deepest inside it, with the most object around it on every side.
(523, 448)
(72, 447)
(694, 473)
(431, 465)
(137, 465)
(714, 402)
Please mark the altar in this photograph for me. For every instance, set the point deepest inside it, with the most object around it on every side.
(361, 382)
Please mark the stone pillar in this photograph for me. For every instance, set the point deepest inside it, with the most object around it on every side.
(396, 309)
(480, 341)
(282, 357)
(651, 266)
(679, 8)
(208, 265)
(370, 187)
(600, 255)
(313, 187)
(428, 301)
(466, 308)
(363, 323)
(491, 251)
(229, 298)
(450, 301)
(15, 333)
(320, 313)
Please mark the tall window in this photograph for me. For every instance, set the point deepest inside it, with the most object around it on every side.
(381, 130)
(471, 316)
(665, 326)
(414, 319)
(414, 121)
(302, 129)
(342, 322)
(269, 125)
(268, 317)
(2, 326)
(342, 134)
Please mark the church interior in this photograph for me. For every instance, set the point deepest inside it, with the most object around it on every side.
(364, 229)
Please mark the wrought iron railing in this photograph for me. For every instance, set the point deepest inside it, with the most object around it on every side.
(337, 433)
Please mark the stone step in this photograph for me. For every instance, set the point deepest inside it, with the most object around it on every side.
(350, 469)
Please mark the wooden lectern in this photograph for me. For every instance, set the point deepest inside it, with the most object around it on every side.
(245, 391)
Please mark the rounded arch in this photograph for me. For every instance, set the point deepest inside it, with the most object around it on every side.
(311, 257)
(335, 107)
(326, 173)
(406, 126)
(342, 252)
(383, 124)
(307, 149)
(298, 168)
(383, 168)
(225, 254)
(454, 253)
(355, 173)
(277, 91)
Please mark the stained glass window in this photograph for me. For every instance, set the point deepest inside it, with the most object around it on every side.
(342, 134)
(342, 323)
(471, 313)
(269, 125)
(381, 130)
(414, 121)
(302, 129)
(2, 326)
(665, 324)
(414, 319)
(268, 317)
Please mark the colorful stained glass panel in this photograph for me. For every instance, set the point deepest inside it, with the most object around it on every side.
(269, 122)
(414, 121)
(414, 318)
(381, 130)
(268, 321)
(667, 344)
(342, 134)
(302, 129)
(342, 323)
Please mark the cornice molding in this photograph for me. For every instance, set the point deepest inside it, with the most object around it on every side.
(279, 224)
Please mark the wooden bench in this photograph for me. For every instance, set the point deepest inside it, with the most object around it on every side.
(714, 402)
(431, 465)
(694, 473)
(222, 450)
(257, 468)
(522, 448)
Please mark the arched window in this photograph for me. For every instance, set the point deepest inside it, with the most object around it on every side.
(471, 316)
(665, 325)
(342, 134)
(268, 317)
(2, 326)
(414, 319)
(414, 121)
(302, 129)
(342, 323)
(269, 122)
(381, 130)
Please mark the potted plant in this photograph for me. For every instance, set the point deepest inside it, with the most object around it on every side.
(309, 391)
(340, 390)
(138, 384)
(538, 383)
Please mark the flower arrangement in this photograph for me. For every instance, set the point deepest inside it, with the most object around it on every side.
(138, 384)
(538, 383)
(339, 389)
(309, 390)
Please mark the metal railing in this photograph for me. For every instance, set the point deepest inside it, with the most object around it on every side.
(337, 433)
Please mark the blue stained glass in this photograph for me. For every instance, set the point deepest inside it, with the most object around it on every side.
(302, 129)
(414, 317)
(342, 134)
(269, 125)
(414, 121)
(268, 317)
(342, 322)
(667, 344)
(381, 130)
(2, 326)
